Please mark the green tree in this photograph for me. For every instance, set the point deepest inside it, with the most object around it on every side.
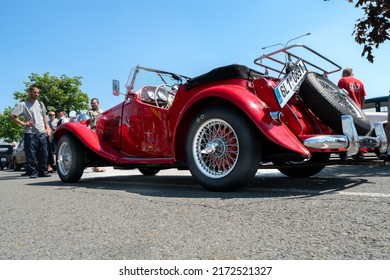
(9, 131)
(57, 92)
(373, 29)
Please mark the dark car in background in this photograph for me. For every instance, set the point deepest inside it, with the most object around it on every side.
(5, 155)
(376, 104)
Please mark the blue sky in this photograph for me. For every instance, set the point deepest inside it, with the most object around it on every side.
(103, 40)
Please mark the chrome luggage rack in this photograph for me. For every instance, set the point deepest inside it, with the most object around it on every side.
(289, 55)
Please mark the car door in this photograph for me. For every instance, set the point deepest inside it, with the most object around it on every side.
(144, 130)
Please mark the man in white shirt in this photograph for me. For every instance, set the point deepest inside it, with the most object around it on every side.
(61, 117)
(36, 129)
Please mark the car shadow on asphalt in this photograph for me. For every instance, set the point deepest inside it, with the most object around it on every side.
(264, 184)
(187, 187)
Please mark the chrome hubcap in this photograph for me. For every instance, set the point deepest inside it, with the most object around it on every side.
(341, 98)
(64, 160)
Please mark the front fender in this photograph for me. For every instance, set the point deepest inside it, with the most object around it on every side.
(89, 138)
(86, 135)
(255, 109)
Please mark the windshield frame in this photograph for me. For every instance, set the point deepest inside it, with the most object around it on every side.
(156, 78)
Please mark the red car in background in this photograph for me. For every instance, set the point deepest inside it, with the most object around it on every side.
(225, 124)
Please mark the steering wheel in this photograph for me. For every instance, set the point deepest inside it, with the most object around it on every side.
(162, 92)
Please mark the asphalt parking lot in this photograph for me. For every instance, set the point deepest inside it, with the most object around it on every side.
(340, 214)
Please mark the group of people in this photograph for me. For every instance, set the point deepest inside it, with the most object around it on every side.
(55, 119)
(39, 145)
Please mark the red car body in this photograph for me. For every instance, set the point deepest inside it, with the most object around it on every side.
(222, 126)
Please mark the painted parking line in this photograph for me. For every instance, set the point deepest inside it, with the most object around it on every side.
(312, 192)
(363, 194)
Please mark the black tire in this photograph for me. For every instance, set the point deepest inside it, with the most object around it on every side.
(70, 159)
(305, 169)
(222, 149)
(149, 171)
(329, 103)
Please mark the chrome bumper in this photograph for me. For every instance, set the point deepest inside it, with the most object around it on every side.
(350, 141)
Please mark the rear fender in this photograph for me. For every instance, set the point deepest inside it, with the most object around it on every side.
(254, 108)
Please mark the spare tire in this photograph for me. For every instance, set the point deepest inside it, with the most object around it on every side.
(329, 103)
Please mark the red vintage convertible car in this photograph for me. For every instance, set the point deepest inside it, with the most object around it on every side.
(225, 124)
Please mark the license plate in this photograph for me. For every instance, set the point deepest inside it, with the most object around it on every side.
(290, 83)
(3, 159)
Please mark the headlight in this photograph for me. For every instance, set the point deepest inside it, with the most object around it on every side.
(83, 118)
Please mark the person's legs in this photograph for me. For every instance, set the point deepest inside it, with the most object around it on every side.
(50, 157)
(387, 126)
(386, 155)
(387, 132)
(42, 153)
(30, 151)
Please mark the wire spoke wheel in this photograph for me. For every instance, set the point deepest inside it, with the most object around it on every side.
(341, 98)
(70, 159)
(64, 161)
(223, 150)
(216, 148)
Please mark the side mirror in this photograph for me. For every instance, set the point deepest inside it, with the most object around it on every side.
(115, 87)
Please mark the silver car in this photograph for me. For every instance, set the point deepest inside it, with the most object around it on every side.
(19, 157)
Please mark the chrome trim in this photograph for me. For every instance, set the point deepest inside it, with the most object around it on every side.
(349, 130)
(380, 133)
(210, 148)
(350, 140)
(273, 60)
(327, 142)
(277, 116)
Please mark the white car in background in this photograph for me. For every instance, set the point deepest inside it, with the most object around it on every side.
(376, 109)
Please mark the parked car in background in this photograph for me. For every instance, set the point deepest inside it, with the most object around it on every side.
(225, 124)
(376, 104)
(5, 155)
(19, 157)
(376, 109)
